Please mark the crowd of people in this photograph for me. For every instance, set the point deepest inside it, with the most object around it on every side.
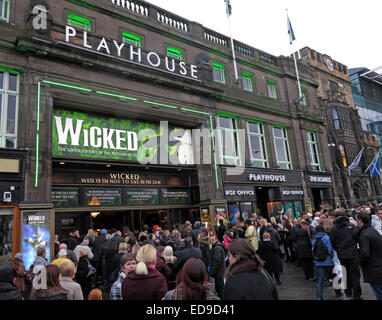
(223, 261)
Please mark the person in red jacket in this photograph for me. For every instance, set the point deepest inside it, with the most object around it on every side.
(145, 283)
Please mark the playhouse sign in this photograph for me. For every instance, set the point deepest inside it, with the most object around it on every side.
(132, 54)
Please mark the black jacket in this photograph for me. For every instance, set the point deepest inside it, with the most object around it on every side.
(344, 238)
(217, 262)
(269, 252)
(73, 242)
(370, 254)
(97, 248)
(303, 243)
(221, 231)
(194, 236)
(8, 291)
(248, 282)
(183, 255)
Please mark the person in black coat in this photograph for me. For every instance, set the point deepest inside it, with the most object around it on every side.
(246, 277)
(74, 240)
(303, 235)
(217, 267)
(221, 230)
(97, 250)
(82, 274)
(195, 233)
(370, 242)
(8, 291)
(269, 252)
(189, 251)
(344, 240)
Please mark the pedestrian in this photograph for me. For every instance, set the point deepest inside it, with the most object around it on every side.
(41, 260)
(74, 239)
(370, 242)
(127, 265)
(170, 259)
(61, 259)
(91, 236)
(191, 283)
(86, 273)
(246, 278)
(269, 253)
(376, 220)
(251, 234)
(195, 233)
(344, 241)
(56, 245)
(304, 236)
(20, 274)
(8, 291)
(145, 283)
(124, 248)
(161, 264)
(217, 267)
(204, 246)
(189, 251)
(323, 254)
(69, 253)
(68, 272)
(287, 241)
(95, 294)
(97, 249)
(83, 245)
(221, 230)
(54, 289)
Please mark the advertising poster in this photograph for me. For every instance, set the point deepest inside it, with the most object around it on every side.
(36, 232)
(103, 197)
(289, 210)
(234, 212)
(298, 209)
(221, 213)
(139, 196)
(65, 197)
(175, 196)
(246, 210)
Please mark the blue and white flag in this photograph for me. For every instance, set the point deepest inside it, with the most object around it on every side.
(374, 167)
(356, 161)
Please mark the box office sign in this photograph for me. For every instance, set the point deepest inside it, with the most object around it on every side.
(81, 135)
(35, 233)
(103, 197)
(320, 179)
(293, 193)
(65, 197)
(240, 193)
(140, 196)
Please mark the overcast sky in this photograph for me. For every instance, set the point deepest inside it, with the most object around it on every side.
(348, 31)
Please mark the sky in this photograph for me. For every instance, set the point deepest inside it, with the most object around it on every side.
(348, 31)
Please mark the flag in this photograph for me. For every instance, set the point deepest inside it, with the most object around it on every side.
(229, 7)
(356, 161)
(374, 167)
(290, 31)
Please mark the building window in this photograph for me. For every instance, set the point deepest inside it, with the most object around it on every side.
(79, 22)
(313, 151)
(218, 72)
(175, 53)
(228, 140)
(257, 147)
(304, 98)
(132, 39)
(247, 81)
(272, 89)
(335, 119)
(9, 99)
(4, 10)
(343, 156)
(282, 148)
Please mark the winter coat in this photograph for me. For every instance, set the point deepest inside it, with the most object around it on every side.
(251, 235)
(97, 248)
(217, 267)
(344, 238)
(370, 254)
(246, 281)
(194, 236)
(61, 260)
(328, 262)
(73, 288)
(184, 254)
(221, 231)
(48, 294)
(303, 243)
(73, 242)
(79, 247)
(177, 294)
(269, 252)
(376, 222)
(81, 275)
(8, 291)
(275, 236)
(163, 268)
(206, 251)
(152, 286)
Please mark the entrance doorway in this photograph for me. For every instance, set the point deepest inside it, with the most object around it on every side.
(317, 199)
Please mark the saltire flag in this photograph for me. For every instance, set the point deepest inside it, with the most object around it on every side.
(356, 161)
(374, 167)
(229, 7)
(290, 31)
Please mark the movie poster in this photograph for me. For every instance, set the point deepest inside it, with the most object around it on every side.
(36, 226)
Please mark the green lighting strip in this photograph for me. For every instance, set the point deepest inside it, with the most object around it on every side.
(195, 111)
(214, 152)
(160, 104)
(37, 133)
(115, 95)
(66, 86)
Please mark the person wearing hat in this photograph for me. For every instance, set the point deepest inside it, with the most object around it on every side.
(20, 273)
(61, 259)
(8, 291)
(97, 250)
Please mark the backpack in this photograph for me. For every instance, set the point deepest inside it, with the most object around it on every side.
(320, 251)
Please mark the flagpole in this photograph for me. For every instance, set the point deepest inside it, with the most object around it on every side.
(232, 43)
(295, 63)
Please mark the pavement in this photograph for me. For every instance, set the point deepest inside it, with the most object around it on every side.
(295, 287)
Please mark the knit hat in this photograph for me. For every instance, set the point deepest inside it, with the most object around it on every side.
(103, 231)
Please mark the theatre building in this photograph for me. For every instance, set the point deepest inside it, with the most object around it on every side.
(103, 102)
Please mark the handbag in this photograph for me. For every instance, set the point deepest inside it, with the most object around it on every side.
(92, 271)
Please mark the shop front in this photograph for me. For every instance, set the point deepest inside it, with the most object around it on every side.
(320, 191)
(268, 193)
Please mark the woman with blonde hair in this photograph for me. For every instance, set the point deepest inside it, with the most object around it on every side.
(168, 256)
(145, 283)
